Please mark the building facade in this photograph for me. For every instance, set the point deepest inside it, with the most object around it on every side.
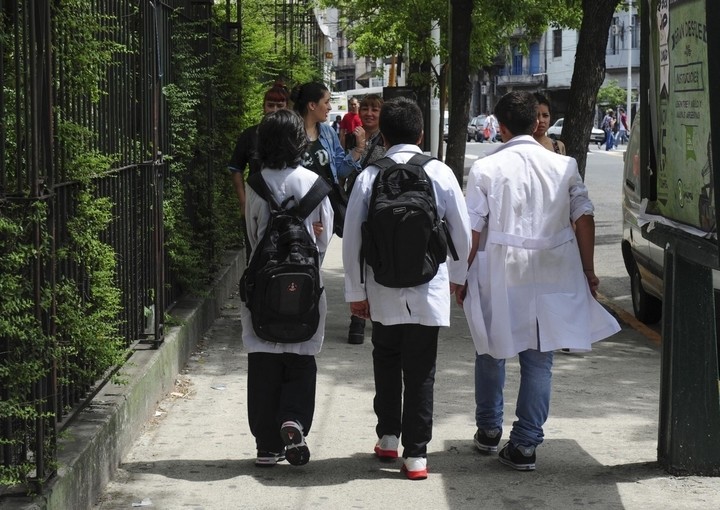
(549, 63)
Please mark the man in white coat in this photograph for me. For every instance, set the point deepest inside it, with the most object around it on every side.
(531, 281)
(406, 321)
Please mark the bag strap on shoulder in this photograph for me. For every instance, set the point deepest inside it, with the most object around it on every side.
(319, 190)
(417, 159)
(257, 182)
(420, 160)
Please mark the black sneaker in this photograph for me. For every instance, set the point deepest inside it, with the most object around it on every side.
(521, 458)
(296, 451)
(356, 334)
(487, 440)
(268, 459)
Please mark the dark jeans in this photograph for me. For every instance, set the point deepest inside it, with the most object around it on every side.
(281, 387)
(405, 354)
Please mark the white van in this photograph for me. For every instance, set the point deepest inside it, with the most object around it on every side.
(643, 259)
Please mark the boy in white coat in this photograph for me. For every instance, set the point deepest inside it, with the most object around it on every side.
(406, 321)
(531, 280)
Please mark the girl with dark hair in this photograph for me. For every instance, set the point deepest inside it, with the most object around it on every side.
(282, 376)
(540, 133)
(325, 156)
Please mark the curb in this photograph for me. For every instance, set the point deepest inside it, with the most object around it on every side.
(93, 446)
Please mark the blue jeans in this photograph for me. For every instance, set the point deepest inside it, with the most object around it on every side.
(533, 403)
(609, 139)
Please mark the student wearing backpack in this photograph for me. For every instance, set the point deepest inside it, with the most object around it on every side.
(282, 376)
(405, 319)
(531, 282)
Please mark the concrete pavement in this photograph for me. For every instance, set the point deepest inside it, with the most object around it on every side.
(600, 448)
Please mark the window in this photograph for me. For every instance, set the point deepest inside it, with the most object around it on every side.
(557, 43)
(616, 29)
(534, 58)
(635, 31)
(341, 51)
(349, 53)
(517, 62)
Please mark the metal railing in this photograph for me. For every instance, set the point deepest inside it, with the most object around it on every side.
(130, 123)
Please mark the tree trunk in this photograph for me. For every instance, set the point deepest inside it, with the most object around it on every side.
(460, 27)
(588, 76)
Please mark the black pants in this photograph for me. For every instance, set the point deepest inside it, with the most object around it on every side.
(281, 387)
(405, 354)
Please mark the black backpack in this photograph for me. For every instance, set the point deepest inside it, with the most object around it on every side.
(403, 240)
(281, 284)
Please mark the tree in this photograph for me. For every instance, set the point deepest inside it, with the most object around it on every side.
(588, 75)
(611, 94)
(461, 26)
(490, 26)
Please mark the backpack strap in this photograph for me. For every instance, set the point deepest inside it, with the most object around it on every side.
(420, 160)
(307, 204)
(319, 190)
(257, 182)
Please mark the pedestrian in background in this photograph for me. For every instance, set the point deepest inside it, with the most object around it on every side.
(348, 125)
(336, 124)
(623, 130)
(405, 321)
(282, 376)
(607, 126)
(490, 127)
(370, 107)
(531, 280)
(540, 133)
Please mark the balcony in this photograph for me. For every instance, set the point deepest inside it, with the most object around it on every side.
(520, 78)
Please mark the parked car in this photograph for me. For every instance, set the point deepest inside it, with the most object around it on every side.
(475, 128)
(597, 136)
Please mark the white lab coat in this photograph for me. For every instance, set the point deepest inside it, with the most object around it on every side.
(427, 304)
(283, 184)
(526, 286)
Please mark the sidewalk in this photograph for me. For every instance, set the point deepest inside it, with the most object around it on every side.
(599, 452)
(600, 448)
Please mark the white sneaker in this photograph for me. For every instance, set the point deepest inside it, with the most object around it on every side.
(415, 468)
(387, 447)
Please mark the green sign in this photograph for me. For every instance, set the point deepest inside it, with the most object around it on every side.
(680, 108)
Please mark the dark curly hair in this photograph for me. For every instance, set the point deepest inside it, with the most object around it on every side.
(281, 140)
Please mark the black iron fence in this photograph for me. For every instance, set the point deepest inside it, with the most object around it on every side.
(46, 113)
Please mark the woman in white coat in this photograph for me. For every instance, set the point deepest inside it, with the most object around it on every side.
(531, 279)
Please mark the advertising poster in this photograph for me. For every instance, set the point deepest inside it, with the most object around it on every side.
(679, 98)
